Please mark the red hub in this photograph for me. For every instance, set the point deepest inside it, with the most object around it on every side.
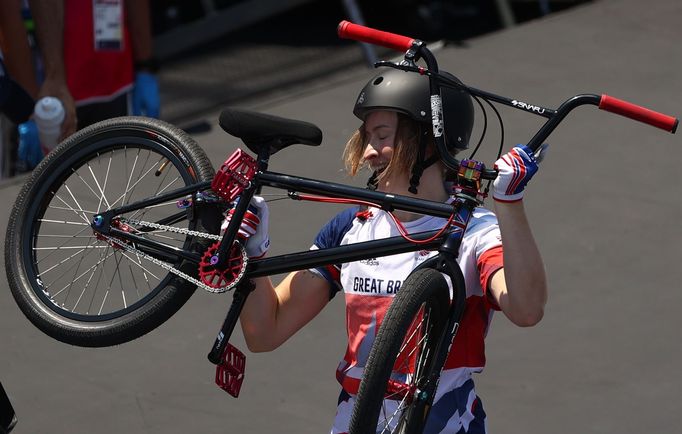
(400, 391)
(115, 223)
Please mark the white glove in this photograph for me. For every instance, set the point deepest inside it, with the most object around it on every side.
(254, 227)
(515, 169)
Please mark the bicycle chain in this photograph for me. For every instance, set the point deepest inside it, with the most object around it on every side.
(170, 228)
(169, 268)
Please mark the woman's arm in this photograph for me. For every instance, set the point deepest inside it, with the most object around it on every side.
(271, 315)
(520, 288)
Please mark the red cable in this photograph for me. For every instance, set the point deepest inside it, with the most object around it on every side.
(399, 225)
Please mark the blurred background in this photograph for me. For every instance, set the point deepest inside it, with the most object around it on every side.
(214, 53)
(222, 51)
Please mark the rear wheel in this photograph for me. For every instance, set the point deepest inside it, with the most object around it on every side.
(78, 286)
(399, 381)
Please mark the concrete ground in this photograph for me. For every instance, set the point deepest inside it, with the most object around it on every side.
(605, 209)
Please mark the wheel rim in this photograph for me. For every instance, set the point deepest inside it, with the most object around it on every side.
(75, 273)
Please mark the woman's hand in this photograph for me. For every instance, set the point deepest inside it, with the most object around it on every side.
(254, 227)
(515, 169)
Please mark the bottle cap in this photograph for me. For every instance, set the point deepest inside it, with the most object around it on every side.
(50, 110)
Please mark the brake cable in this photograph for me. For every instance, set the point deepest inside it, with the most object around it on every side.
(401, 228)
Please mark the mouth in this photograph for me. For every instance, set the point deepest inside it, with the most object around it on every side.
(379, 168)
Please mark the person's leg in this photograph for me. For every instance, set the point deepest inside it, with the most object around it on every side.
(7, 416)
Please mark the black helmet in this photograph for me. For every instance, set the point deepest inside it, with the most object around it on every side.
(409, 93)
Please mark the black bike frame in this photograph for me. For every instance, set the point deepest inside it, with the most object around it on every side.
(309, 258)
(447, 243)
(304, 259)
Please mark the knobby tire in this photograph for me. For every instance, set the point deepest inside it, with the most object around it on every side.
(409, 335)
(77, 287)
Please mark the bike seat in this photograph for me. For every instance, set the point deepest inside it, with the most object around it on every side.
(258, 129)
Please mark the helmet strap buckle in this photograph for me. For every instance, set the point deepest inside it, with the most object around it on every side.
(373, 181)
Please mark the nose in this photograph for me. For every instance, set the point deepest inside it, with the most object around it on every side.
(370, 152)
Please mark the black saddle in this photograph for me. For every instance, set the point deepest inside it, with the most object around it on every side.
(258, 129)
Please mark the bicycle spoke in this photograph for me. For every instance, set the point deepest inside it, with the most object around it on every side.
(144, 273)
(42, 273)
(75, 265)
(117, 273)
(92, 299)
(85, 288)
(68, 239)
(64, 222)
(125, 159)
(83, 274)
(80, 208)
(62, 236)
(78, 175)
(101, 191)
(69, 248)
(129, 190)
(142, 267)
(106, 292)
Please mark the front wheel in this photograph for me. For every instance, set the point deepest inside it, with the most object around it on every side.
(78, 286)
(400, 379)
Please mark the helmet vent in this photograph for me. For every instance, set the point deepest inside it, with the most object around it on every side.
(378, 80)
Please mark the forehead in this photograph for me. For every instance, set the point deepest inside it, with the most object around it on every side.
(381, 118)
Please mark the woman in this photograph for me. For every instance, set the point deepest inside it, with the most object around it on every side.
(396, 143)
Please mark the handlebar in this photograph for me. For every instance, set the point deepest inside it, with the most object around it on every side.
(415, 49)
(356, 32)
(638, 113)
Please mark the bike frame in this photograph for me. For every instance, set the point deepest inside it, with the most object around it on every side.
(304, 259)
(448, 242)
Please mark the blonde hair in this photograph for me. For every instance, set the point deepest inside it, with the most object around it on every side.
(406, 145)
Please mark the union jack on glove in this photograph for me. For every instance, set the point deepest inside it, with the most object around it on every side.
(515, 169)
(254, 227)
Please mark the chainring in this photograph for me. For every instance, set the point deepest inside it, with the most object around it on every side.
(223, 278)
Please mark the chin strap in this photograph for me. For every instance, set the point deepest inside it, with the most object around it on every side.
(421, 164)
(373, 181)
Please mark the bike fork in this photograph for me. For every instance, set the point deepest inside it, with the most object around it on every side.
(230, 362)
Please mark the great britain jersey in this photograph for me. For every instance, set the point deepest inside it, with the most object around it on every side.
(369, 286)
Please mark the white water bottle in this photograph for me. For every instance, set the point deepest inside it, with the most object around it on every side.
(49, 115)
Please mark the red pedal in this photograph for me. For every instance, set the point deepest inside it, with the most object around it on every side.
(229, 373)
(234, 175)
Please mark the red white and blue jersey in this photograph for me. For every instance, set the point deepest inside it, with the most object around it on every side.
(370, 285)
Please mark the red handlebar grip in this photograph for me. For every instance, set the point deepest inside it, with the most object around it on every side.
(356, 32)
(638, 113)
